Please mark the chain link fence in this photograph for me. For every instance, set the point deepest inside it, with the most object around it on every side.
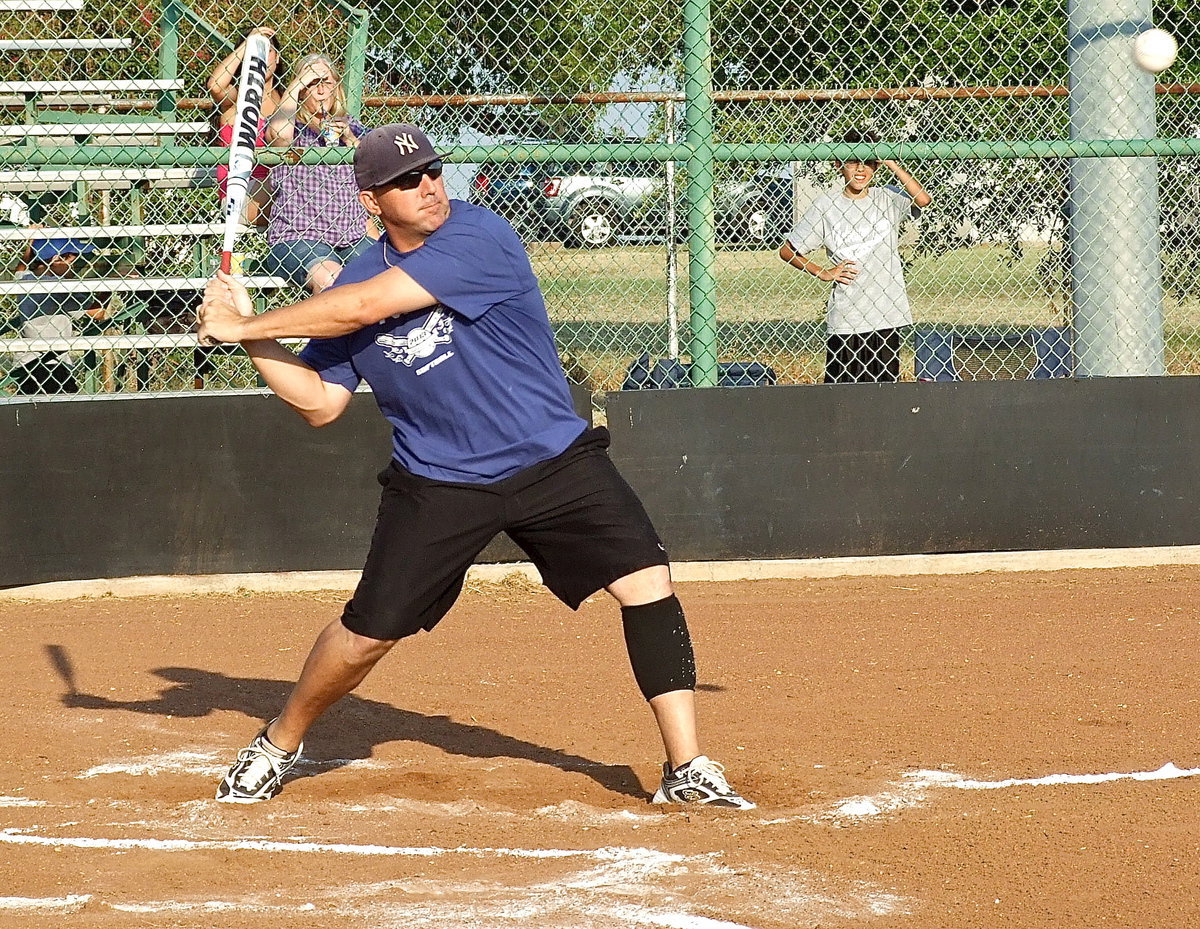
(654, 195)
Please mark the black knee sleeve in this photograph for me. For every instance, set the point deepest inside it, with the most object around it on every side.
(660, 648)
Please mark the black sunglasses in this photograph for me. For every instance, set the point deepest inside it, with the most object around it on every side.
(411, 180)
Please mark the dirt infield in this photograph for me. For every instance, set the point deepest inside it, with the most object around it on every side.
(959, 752)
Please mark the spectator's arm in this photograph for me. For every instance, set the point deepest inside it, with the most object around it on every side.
(911, 185)
(222, 86)
(842, 273)
(27, 253)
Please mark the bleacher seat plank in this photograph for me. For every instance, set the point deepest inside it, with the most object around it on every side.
(99, 343)
(32, 180)
(115, 232)
(142, 128)
(128, 285)
(90, 87)
(64, 45)
(40, 6)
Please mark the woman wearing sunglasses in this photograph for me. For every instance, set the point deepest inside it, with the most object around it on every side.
(317, 223)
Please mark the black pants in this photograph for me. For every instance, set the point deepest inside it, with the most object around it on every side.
(49, 374)
(863, 357)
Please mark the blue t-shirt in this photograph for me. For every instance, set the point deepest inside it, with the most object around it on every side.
(31, 306)
(472, 386)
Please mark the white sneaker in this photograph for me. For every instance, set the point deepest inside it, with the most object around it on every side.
(258, 773)
(700, 781)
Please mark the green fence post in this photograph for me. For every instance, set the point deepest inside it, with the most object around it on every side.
(356, 60)
(702, 251)
(168, 55)
(354, 69)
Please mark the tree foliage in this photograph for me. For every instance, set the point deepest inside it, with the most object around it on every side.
(521, 47)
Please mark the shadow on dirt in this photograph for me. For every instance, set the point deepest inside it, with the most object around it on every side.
(349, 731)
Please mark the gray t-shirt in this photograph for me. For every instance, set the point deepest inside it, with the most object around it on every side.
(867, 232)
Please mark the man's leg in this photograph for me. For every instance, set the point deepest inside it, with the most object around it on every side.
(674, 711)
(583, 525)
(339, 661)
(660, 650)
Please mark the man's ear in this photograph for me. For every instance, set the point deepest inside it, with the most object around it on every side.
(370, 204)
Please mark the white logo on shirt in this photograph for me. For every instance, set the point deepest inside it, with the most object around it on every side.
(861, 238)
(420, 341)
(405, 142)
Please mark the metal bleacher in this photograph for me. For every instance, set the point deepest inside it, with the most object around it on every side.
(40, 6)
(50, 109)
(103, 204)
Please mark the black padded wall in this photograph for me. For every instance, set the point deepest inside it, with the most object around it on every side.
(231, 484)
(189, 485)
(872, 469)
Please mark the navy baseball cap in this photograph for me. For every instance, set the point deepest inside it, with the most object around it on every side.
(45, 250)
(385, 153)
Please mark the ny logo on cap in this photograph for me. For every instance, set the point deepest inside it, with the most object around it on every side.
(406, 143)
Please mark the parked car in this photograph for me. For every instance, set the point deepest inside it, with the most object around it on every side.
(593, 204)
(756, 211)
(514, 190)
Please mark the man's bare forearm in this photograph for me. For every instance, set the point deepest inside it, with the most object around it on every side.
(339, 310)
(295, 383)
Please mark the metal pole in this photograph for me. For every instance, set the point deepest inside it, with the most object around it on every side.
(356, 59)
(1116, 272)
(168, 54)
(672, 242)
(697, 65)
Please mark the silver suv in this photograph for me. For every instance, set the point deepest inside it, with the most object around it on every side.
(591, 204)
(594, 204)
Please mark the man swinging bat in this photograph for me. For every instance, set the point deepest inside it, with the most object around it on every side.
(444, 319)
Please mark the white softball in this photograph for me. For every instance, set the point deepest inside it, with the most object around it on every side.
(1155, 50)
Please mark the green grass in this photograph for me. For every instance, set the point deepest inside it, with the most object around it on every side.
(968, 286)
(610, 305)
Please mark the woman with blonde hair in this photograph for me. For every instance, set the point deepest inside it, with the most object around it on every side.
(317, 222)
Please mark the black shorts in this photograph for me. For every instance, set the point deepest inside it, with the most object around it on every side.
(576, 518)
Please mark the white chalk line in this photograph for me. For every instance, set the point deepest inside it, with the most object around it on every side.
(71, 903)
(619, 887)
(210, 906)
(637, 872)
(619, 894)
(1169, 771)
(914, 788)
(911, 790)
(15, 837)
(208, 764)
